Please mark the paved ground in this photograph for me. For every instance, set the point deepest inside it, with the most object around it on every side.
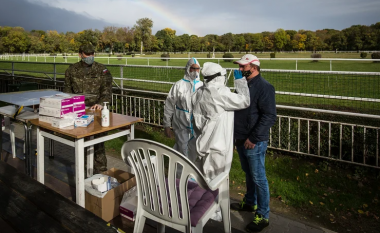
(62, 168)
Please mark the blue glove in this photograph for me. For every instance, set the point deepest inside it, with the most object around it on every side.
(238, 74)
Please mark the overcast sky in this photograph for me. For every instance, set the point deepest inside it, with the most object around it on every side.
(199, 17)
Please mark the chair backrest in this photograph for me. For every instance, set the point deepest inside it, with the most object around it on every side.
(161, 191)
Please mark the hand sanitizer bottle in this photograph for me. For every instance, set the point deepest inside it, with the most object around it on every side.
(105, 115)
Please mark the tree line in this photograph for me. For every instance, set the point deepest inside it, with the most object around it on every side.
(130, 39)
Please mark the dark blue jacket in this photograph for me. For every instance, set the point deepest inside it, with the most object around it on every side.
(255, 121)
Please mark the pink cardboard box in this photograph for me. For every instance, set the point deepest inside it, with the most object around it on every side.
(55, 112)
(78, 99)
(56, 102)
(81, 113)
(79, 107)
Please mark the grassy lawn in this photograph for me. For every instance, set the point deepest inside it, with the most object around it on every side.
(366, 65)
(334, 195)
(347, 85)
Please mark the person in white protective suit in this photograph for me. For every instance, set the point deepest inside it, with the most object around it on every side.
(178, 111)
(213, 109)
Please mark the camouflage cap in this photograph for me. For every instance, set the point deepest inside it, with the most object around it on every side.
(86, 48)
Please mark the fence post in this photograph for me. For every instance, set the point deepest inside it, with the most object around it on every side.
(330, 65)
(54, 61)
(55, 75)
(296, 64)
(13, 72)
(167, 61)
(122, 92)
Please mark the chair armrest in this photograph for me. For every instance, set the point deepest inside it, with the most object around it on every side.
(217, 181)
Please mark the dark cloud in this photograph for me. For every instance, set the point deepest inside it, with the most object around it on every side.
(43, 17)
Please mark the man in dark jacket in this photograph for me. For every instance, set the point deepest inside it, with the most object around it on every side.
(90, 77)
(251, 132)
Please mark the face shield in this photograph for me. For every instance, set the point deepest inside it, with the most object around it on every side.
(212, 71)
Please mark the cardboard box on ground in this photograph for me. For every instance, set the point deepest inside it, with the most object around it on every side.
(107, 207)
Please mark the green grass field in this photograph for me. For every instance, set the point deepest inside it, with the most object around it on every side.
(366, 65)
(346, 85)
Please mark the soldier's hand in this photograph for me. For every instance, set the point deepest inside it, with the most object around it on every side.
(168, 132)
(96, 107)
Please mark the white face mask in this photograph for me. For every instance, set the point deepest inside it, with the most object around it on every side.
(194, 75)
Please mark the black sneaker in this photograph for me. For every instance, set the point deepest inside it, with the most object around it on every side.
(258, 224)
(242, 206)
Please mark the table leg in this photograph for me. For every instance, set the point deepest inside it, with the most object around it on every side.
(51, 149)
(79, 171)
(25, 139)
(27, 147)
(31, 150)
(133, 131)
(40, 157)
(13, 139)
(90, 159)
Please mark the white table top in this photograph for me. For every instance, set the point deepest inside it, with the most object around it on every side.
(26, 98)
(25, 115)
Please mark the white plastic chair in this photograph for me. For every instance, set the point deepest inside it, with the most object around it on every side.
(158, 197)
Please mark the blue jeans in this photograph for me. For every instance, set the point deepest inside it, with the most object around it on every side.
(253, 164)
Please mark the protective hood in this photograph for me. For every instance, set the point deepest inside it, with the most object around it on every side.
(188, 75)
(213, 73)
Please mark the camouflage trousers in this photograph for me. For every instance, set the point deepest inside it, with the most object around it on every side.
(100, 159)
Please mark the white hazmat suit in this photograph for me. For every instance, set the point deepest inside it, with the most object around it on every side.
(213, 109)
(178, 111)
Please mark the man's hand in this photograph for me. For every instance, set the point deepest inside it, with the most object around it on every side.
(96, 107)
(248, 144)
(168, 132)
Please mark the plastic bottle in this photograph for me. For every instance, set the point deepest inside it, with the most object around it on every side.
(105, 116)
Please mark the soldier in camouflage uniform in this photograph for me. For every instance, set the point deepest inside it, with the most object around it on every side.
(90, 77)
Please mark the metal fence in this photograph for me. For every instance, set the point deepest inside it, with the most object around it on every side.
(351, 143)
(350, 92)
(326, 64)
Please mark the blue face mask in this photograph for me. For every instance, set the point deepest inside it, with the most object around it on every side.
(88, 60)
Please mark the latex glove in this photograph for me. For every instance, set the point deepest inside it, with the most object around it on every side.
(238, 74)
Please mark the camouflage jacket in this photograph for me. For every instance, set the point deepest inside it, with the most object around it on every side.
(95, 80)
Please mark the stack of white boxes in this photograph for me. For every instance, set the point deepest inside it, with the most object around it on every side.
(53, 108)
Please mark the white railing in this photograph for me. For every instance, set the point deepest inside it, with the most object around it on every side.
(349, 143)
(135, 78)
(148, 60)
(344, 142)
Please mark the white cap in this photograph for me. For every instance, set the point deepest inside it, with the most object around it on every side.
(210, 68)
(248, 59)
